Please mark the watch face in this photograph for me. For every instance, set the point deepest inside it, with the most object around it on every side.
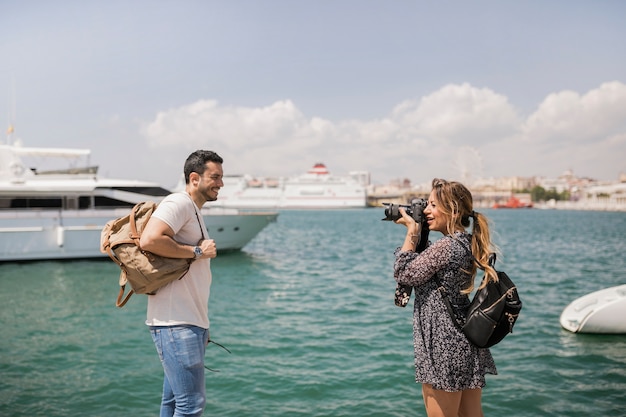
(197, 251)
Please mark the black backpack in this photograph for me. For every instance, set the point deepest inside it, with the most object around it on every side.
(492, 312)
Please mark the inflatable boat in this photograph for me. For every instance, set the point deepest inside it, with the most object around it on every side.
(602, 311)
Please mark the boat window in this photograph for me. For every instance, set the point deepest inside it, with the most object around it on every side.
(34, 202)
(85, 202)
(71, 203)
(101, 202)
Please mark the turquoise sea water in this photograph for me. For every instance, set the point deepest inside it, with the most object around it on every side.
(307, 311)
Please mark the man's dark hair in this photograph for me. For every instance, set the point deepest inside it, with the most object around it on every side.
(196, 162)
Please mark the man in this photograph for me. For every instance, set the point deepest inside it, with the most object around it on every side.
(178, 313)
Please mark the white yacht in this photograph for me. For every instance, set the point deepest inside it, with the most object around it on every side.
(60, 213)
(316, 189)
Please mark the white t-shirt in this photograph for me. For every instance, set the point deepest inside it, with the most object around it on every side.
(184, 301)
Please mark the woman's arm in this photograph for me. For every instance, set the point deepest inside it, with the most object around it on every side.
(414, 269)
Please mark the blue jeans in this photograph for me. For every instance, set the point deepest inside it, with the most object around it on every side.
(181, 350)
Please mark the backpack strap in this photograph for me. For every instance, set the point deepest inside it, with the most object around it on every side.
(199, 222)
(195, 210)
(134, 234)
(121, 302)
(444, 293)
(446, 301)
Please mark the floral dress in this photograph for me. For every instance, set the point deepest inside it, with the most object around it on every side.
(444, 357)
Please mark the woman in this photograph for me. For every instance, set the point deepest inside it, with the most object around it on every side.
(450, 369)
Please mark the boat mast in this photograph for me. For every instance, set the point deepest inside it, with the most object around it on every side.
(11, 112)
(9, 133)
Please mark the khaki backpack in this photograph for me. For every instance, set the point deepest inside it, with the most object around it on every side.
(144, 271)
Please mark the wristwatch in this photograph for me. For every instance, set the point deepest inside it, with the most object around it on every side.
(197, 251)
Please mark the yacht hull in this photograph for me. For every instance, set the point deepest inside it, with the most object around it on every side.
(75, 234)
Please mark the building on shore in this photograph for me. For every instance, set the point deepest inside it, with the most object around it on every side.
(584, 193)
(396, 192)
(602, 197)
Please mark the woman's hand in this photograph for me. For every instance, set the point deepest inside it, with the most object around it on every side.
(413, 230)
(408, 221)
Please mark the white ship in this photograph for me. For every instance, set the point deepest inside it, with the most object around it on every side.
(317, 189)
(59, 214)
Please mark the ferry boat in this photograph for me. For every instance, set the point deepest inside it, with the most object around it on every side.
(316, 189)
(60, 213)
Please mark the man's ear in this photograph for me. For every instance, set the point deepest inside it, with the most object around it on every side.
(194, 178)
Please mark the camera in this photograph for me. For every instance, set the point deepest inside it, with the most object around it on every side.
(415, 210)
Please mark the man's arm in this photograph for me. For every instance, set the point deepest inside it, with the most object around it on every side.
(158, 238)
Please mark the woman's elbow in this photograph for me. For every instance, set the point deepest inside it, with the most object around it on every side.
(399, 277)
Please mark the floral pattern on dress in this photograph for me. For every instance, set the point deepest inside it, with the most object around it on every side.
(444, 357)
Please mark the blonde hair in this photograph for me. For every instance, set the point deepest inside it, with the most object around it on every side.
(456, 203)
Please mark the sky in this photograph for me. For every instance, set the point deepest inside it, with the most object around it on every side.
(402, 89)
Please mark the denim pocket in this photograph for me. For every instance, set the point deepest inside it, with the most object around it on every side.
(188, 345)
(158, 344)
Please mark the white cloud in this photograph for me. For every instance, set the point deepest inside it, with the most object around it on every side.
(567, 116)
(205, 121)
(449, 133)
(460, 114)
